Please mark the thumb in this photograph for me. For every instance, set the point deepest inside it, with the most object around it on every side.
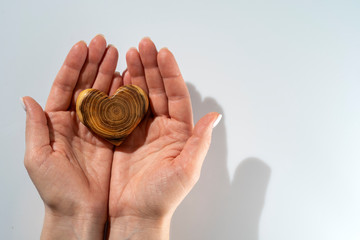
(37, 131)
(192, 156)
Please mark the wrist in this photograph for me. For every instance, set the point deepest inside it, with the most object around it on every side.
(134, 228)
(71, 227)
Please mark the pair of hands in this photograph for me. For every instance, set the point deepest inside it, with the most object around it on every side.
(85, 181)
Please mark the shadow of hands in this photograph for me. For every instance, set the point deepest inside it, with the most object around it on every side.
(246, 200)
(217, 208)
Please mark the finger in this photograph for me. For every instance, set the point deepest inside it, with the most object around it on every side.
(116, 83)
(179, 103)
(37, 132)
(123, 73)
(192, 156)
(126, 78)
(157, 95)
(107, 68)
(62, 89)
(87, 76)
(136, 69)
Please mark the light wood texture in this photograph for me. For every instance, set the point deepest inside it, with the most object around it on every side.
(115, 117)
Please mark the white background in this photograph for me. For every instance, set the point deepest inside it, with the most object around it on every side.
(285, 160)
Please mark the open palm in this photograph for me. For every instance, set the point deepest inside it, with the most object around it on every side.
(81, 176)
(68, 164)
(160, 161)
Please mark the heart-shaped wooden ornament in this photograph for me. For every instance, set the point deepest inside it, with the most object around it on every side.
(115, 117)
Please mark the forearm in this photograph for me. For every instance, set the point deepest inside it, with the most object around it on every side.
(58, 227)
(133, 228)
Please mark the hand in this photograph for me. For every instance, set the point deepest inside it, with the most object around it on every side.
(70, 166)
(159, 163)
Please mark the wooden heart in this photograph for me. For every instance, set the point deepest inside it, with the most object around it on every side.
(115, 117)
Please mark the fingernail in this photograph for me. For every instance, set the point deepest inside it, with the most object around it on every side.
(217, 120)
(110, 45)
(100, 34)
(146, 37)
(22, 103)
